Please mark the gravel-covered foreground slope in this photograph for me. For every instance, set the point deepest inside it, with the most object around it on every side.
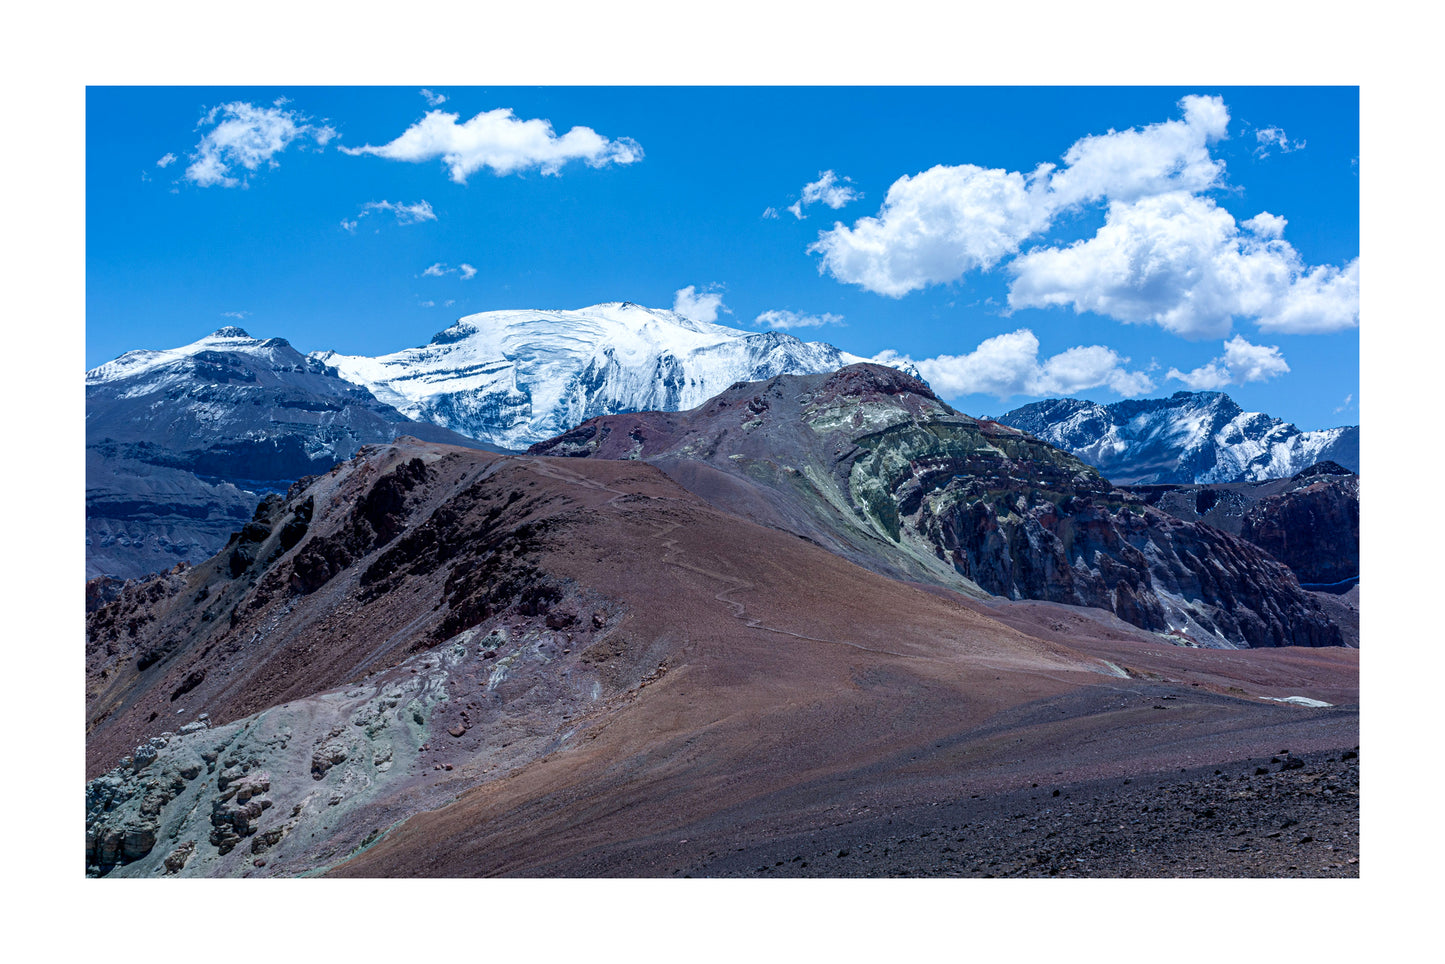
(868, 462)
(437, 661)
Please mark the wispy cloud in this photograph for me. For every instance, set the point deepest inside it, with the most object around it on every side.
(1240, 363)
(783, 319)
(441, 269)
(699, 306)
(1009, 364)
(1271, 139)
(827, 189)
(413, 213)
(1346, 403)
(238, 315)
(243, 136)
(771, 213)
(502, 142)
(167, 160)
(433, 99)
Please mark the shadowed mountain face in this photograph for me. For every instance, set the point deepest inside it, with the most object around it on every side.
(1310, 521)
(871, 464)
(437, 661)
(180, 444)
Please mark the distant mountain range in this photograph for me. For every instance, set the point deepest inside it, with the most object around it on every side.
(1189, 437)
(181, 443)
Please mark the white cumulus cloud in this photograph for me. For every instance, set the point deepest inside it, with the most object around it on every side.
(502, 142)
(435, 271)
(698, 306)
(783, 319)
(1009, 364)
(935, 226)
(1166, 157)
(242, 135)
(468, 272)
(1240, 363)
(1180, 262)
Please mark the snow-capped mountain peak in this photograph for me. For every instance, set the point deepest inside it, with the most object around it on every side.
(519, 376)
(228, 339)
(1189, 437)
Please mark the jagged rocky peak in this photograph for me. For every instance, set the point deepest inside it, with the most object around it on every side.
(1189, 437)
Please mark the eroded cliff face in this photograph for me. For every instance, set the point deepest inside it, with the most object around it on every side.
(1313, 529)
(1310, 522)
(872, 457)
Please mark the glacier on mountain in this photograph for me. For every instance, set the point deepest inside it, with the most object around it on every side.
(511, 378)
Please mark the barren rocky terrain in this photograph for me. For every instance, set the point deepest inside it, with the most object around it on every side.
(436, 661)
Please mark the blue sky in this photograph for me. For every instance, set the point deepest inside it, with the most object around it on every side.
(1189, 237)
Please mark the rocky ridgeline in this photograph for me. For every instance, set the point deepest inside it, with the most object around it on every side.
(873, 450)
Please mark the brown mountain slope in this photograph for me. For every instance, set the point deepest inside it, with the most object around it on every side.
(445, 662)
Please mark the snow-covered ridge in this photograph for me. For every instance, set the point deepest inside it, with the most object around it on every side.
(1198, 437)
(516, 377)
(143, 360)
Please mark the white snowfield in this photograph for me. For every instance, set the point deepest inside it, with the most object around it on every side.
(512, 378)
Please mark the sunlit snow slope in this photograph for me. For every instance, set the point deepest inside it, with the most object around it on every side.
(512, 378)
